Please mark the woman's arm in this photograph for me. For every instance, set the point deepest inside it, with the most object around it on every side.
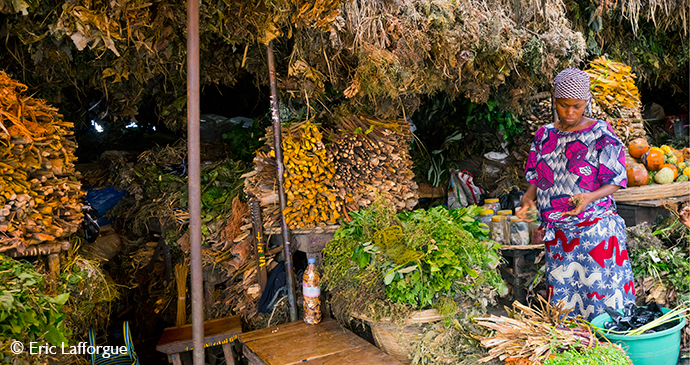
(587, 198)
(527, 201)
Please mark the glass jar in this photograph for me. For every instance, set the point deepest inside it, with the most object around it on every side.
(485, 217)
(492, 204)
(536, 233)
(499, 229)
(519, 232)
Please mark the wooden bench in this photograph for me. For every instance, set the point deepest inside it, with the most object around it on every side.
(218, 332)
(326, 343)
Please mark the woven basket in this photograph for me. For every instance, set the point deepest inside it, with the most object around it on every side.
(395, 339)
(652, 192)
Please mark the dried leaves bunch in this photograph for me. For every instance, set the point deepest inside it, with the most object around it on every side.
(534, 333)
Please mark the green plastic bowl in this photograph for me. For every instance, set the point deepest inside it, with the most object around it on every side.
(659, 348)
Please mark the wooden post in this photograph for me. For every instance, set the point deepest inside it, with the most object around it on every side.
(54, 265)
(260, 240)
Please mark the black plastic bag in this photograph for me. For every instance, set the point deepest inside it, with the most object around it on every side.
(89, 224)
(511, 199)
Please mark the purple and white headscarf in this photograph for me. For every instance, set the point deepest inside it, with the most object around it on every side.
(573, 83)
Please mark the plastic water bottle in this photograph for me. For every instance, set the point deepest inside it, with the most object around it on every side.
(311, 293)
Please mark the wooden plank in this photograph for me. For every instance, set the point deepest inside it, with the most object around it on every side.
(658, 202)
(298, 342)
(364, 355)
(216, 332)
(277, 230)
(651, 192)
(269, 331)
(227, 352)
(40, 249)
(253, 359)
(522, 247)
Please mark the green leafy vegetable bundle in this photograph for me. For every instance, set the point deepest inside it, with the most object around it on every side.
(385, 264)
(27, 313)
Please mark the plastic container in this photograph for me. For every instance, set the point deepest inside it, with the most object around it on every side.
(311, 293)
(519, 232)
(507, 212)
(660, 348)
(485, 217)
(536, 233)
(492, 204)
(498, 226)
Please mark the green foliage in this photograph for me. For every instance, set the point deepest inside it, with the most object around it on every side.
(671, 264)
(156, 194)
(244, 142)
(605, 354)
(415, 259)
(27, 312)
(454, 129)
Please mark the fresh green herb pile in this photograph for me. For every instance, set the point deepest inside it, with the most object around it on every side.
(604, 354)
(669, 266)
(27, 312)
(385, 264)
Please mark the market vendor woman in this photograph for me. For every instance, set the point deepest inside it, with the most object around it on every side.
(574, 167)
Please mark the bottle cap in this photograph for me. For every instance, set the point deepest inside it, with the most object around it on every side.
(311, 260)
(505, 212)
(486, 212)
(490, 200)
(496, 218)
(515, 219)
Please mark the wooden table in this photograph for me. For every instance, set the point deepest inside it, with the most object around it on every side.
(518, 254)
(218, 332)
(326, 343)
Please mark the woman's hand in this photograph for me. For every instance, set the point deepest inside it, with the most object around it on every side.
(584, 199)
(685, 215)
(524, 210)
(527, 203)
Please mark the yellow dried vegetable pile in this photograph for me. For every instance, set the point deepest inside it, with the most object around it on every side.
(613, 85)
(39, 192)
(309, 172)
(311, 201)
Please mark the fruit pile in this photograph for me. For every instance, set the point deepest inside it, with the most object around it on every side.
(661, 165)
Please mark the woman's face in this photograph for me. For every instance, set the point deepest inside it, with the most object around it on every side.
(570, 110)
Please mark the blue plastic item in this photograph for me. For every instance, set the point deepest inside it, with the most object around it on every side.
(103, 200)
(659, 348)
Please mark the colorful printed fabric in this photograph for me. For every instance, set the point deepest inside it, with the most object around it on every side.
(588, 267)
(587, 263)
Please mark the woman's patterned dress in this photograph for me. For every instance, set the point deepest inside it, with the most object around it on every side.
(587, 263)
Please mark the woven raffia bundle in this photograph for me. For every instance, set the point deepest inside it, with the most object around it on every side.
(39, 190)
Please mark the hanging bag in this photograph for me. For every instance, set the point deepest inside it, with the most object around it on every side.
(473, 193)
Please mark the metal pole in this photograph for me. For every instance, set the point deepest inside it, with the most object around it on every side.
(193, 113)
(281, 170)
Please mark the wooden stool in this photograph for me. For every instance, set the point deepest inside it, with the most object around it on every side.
(217, 332)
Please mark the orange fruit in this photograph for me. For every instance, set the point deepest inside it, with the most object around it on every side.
(653, 159)
(637, 175)
(637, 147)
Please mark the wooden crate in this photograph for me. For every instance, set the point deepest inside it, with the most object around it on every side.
(636, 212)
(652, 192)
